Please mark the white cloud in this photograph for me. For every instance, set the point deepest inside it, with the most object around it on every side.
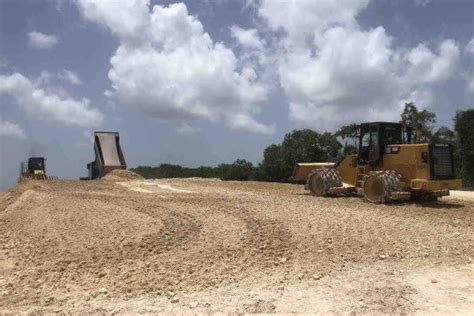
(469, 49)
(13, 130)
(335, 72)
(167, 66)
(128, 19)
(47, 78)
(304, 19)
(70, 76)
(425, 66)
(40, 104)
(422, 98)
(243, 121)
(40, 40)
(249, 39)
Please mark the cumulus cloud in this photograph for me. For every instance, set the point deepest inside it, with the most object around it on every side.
(335, 72)
(426, 66)
(167, 66)
(40, 40)
(127, 19)
(13, 130)
(40, 104)
(302, 20)
(249, 39)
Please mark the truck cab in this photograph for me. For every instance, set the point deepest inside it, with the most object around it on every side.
(36, 165)
(374, 137)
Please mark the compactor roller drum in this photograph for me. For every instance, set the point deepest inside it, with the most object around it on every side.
(321, 180)
(383, 185)
(387, 167)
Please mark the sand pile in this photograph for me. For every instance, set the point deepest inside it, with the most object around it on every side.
(122, 175)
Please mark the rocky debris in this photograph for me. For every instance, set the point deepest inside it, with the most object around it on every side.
(174, 300)
(317, 276)
(103, 291)
(259, 307)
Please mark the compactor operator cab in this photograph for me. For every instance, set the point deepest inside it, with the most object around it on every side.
(36, 165)
(373, 137)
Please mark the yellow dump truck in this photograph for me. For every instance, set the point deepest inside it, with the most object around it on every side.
(387, 167)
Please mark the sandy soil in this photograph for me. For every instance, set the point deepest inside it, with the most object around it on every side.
(195, 245)
(461, 195)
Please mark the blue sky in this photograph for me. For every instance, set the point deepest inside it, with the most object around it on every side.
(204, 82)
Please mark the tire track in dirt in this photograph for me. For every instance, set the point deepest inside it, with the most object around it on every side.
(178, 229)
(265, 239)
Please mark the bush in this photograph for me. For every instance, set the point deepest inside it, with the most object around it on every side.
(464, 127)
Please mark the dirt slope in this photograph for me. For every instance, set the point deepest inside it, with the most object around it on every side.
(91, 246)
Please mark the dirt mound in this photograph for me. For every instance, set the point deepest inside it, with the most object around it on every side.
(66, 243)
(122, 175)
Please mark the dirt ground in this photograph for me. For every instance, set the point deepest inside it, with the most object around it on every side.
(204, 246)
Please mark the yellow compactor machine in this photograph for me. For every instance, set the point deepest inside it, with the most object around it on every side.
(387, 167)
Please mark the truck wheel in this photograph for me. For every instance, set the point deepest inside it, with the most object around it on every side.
(379, 185)
(321, 180)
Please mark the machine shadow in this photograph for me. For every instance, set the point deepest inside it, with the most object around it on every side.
(418, 203)
(430, 204)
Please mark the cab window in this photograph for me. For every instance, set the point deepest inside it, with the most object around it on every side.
(392, 136)
(366, 140)
(375, 138)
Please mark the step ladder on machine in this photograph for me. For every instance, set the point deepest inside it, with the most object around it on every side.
(361, 172)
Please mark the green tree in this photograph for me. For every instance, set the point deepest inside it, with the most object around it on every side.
(167, 170)
(223, 171)
(271, 168)
(204, 172)
(420, 122)
(241, 170)
(298, 146)
(307, 146)
(464, 127)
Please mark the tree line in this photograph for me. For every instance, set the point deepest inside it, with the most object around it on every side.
(307, 145)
